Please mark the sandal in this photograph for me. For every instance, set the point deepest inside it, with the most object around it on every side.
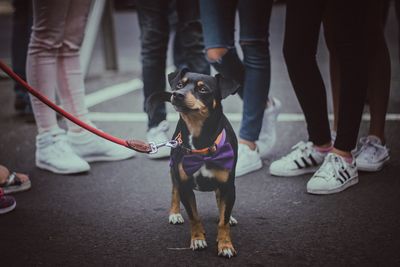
(14, 184)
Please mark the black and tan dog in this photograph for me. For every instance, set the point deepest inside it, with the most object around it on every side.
(206, 158)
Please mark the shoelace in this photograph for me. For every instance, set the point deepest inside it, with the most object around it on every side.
(369, 147)
(331, 166)
(300, 149)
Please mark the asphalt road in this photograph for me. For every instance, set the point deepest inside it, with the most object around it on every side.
(117, 214)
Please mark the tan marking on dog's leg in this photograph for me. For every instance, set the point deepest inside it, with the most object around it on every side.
(182, 173)
(225, 246)
(221, 175)
(175, 216)
(175, 201)
(198, 234)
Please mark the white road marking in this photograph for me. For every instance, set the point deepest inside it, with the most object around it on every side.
(113, 91)
(234, 117)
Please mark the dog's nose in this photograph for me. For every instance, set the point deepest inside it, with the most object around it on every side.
(178, 95)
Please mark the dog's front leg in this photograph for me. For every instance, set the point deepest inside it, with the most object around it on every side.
(225, 200)
(175, 216)
(188, 199)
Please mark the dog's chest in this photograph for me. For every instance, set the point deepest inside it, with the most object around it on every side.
(204, 179)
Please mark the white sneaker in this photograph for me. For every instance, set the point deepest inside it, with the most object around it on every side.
(94, 148)
(267, 137)
(53, 153)
(372, 155)
(335, 175)
(158, 135)
(303, 159)
(248, 160)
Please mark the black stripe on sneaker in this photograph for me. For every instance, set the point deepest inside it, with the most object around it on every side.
(348, 175)
(306, 164)
(313, 160)
(343, 176)
(340, 180)
(298, 164)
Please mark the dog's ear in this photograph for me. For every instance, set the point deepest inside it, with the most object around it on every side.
(175, 76)
(155, 99)
(226, 87)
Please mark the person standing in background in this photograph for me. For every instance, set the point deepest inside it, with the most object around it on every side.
(53, 62)
(372, 152)
(334, 166)
(257, 131)
(188, 53)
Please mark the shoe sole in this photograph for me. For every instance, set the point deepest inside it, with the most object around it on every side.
(294, 172)
(8, 209)
(250, 168)
(344, 186)
(372, 167)
(52, 169)
(17, 188)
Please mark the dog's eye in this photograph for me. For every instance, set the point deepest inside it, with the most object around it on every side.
(179, 85)
(202, 90)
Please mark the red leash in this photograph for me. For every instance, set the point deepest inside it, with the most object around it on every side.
(137, 145)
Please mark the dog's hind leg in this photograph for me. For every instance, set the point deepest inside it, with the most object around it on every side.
(226, 196)
(175, 216)
(188, 199)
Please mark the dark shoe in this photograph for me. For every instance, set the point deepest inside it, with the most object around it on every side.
(7, 203)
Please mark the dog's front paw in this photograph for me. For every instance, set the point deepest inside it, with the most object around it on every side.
(175, 218)
(232, 221)
(198, 244)
(225, 249)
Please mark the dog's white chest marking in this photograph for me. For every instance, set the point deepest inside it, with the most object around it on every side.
(204, 172)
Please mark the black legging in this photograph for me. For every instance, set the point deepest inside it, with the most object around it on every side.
(303, 22)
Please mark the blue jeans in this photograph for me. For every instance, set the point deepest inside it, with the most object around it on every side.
(21, 32)
(254, 72)
(155, 30)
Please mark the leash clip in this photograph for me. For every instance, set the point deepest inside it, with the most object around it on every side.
(154, 147)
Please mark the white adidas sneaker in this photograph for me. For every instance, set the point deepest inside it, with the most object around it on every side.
(372, 155)
(303, 159)
(94, 148)
(158, 135)
(53, 153)
(267, 137)
(335, 175)
(248, 160)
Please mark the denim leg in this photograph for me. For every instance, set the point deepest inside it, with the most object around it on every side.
(231, 67)
(256, 88)
(254, 19)
(21, 31)
(154, 27)
(190, 36)
(253, 73)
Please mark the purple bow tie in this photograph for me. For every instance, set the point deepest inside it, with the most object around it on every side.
(223, 158)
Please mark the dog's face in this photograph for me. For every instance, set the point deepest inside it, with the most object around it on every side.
(193, 94)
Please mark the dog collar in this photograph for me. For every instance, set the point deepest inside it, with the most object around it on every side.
(203, 151)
